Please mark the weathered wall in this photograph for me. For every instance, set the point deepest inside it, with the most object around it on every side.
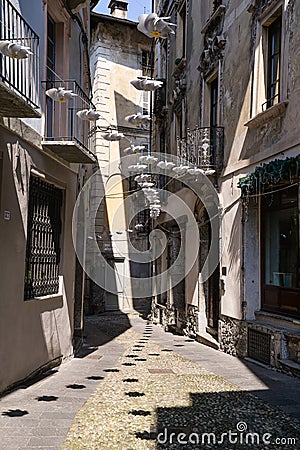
(116, 59)
(34, 332)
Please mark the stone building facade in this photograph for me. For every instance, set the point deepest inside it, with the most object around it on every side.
(231, 78)
(44, 159)
(119, 54)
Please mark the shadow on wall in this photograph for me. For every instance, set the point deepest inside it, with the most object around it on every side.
(32, 334)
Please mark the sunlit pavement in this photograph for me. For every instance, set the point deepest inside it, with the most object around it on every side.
(137, 387)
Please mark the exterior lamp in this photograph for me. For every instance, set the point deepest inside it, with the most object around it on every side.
(113, 136)
(14, 50)
(148, 159)
(134, 149)
(165, 165)
(60, 94)
(88, 114)
(144, 84)
(137, 168)
(138, 119)
(155, 27)
(180, 170)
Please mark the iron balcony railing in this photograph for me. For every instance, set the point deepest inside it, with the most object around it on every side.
(62, 122)
(202, 147)
(20, 75)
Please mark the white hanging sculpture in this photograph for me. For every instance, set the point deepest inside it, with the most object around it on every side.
(145, 84)
(165, 165)
(148, 159)
(137, 168)
(138, 119)
(14, 50)
(143, 177)
(180, 170)
(60, 94)
(134, 149)
(195, 171)
(145, 184)
(155, 27)
(113, 136)
(88, 114)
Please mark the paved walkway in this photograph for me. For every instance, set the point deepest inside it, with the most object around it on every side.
(133, 381)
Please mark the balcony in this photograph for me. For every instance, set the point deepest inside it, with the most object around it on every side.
(66, 134)
(19, 78)
(202, 147)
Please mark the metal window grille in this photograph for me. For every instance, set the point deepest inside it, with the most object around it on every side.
(202, 147)
(259, 346)
(43, 239)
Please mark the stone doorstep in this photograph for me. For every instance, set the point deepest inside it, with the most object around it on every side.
(208, 340)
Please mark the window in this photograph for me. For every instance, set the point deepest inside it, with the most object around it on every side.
(43, 239)
(280, 251)
(273, 62)
(181, 32)
(214, 119)
(214, 101)
(146, 63)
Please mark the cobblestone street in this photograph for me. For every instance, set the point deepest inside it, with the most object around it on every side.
(136, 387)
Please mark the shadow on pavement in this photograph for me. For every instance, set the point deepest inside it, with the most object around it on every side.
(224, 420)
(100, 329)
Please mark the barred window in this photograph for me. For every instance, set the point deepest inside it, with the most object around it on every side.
(43, 239)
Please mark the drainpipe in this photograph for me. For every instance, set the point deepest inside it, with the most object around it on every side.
(243, 273)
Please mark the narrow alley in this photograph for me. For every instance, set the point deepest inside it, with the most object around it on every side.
(134, 386)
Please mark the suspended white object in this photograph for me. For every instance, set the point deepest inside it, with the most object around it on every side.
(154, 213)
(165, 165)
(146, 84)
(150, 191)
(139, 226)
(138, 168)
(60, 94)
(88, 114)
(148, 159)
(138, 119)
(210, 172)
(142, 177)
(155, 27)
(145, 184)
(195, 171)
(180, 170)
(14, 50)
(134, 148)
(113, 136)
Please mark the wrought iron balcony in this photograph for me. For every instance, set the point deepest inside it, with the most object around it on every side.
(19, 78)
(66, 134)
(202, 147)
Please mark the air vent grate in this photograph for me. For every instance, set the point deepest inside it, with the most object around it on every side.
(259, 344)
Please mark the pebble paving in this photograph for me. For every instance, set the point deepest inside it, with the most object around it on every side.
(156, 399)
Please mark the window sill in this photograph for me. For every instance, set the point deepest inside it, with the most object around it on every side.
(267, 115)
(58, 296)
